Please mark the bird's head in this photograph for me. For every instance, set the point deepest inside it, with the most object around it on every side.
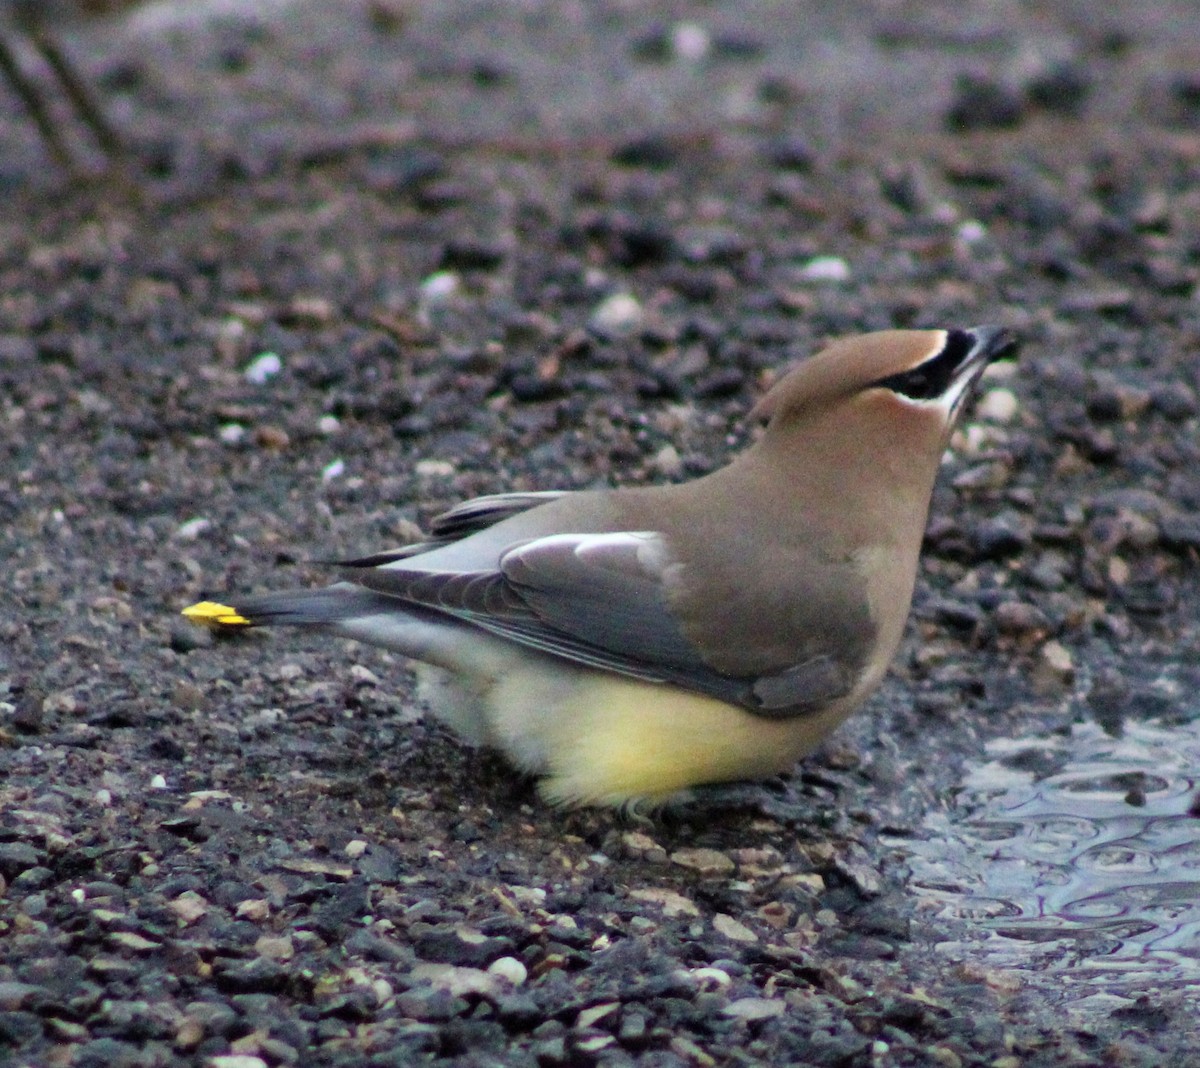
(891, 390)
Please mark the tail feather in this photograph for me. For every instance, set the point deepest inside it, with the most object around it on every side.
(293, 608)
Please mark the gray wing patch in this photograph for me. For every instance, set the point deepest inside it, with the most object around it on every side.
(598, 598)
(460, 522)
(813, 682)
(602, 600)
(609, 590)
(482, 512)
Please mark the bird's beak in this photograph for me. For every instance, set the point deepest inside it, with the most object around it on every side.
(992, 343)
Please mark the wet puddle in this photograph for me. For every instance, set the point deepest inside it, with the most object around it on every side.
(1076, 857)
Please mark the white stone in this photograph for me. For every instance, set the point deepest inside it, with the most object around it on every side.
(826, 269)
(690, 41)
(192, 529)
(617, 315)
(263, 368)
(998, 406)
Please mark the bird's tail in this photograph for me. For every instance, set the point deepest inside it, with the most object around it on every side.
(292, 608)
(350, 611)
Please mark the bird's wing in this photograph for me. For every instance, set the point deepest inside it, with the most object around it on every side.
(460, 522)
(603, 600)
(481, 512)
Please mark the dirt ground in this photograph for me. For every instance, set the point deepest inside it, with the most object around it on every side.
(371, 259)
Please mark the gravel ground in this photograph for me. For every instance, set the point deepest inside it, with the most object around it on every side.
(416, 252)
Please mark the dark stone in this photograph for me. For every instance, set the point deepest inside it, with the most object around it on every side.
(532, 388)
(982, 104)
(16, 857)
(1181, 531)
(354, 1005)
(449, 947)
(998, 539)
(1175, 401)
(109, 1053)
(164, 747)
(471, 256)
(402, 169)
(653, 46)
(430, 1005)
(349, 903)
(726, 382)
(1062, 88)
(652, 151)
(373, 947)
(518, 1011)
(259, 975)
(19, 1028)
(961, 615)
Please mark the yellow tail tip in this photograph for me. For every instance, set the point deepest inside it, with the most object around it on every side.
(212, 614)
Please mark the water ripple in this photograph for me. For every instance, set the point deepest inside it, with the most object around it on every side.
(1076, 857)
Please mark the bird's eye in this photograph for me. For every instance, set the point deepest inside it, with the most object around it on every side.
(929, 380)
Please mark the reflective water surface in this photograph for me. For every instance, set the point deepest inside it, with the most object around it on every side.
(1073, 856)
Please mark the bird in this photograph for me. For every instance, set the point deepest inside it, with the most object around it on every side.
(633, 646)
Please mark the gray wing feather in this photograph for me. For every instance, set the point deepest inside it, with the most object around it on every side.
(481, 512)
(811, 683)
(609, 590)
(460, 522)
(601, 600)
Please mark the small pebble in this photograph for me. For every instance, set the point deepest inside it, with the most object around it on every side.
(275, 947)
(509, 969)
(1175, 400)
(434, 469)
(439, 287)
(705, 861)
(690, 41)
(590, 1017)
(617, 315)
(235, 1060)
(671, 902)
(998, 406)
(644, 847)
(188, 906)
(971, 231)
(263, 368)
(734, 930)
(667, 462)
(980, 104)
(1019, 618)
(826, 269)
(711, 978)
(1056, 663)
(192, 529)
(310, 311)
(752, 1009)
(270, 437)
(253, 909)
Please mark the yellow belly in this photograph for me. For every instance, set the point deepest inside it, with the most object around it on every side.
(612, 740)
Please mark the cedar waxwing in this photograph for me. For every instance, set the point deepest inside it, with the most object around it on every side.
(627, 644)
